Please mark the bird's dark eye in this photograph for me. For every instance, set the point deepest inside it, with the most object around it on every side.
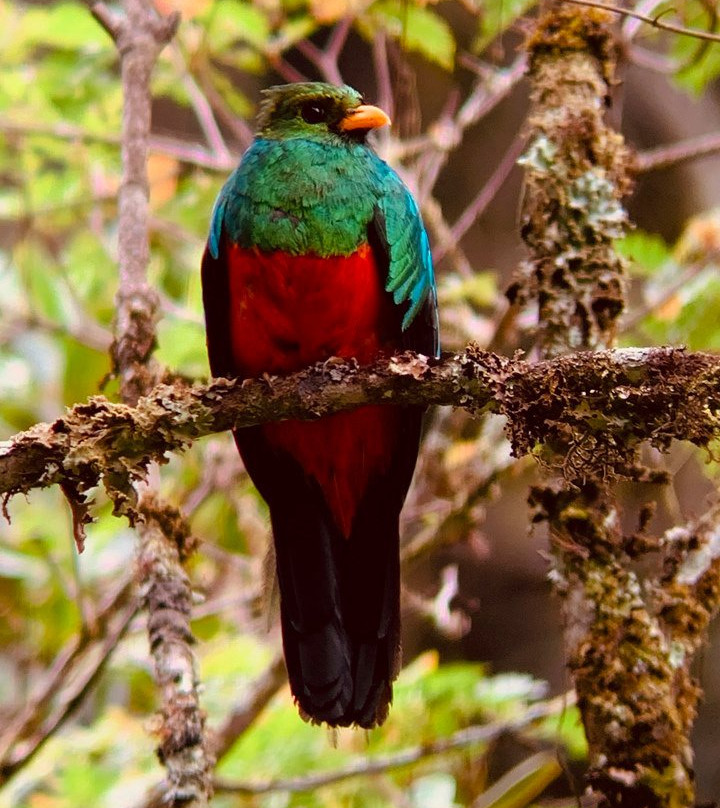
(313, 112)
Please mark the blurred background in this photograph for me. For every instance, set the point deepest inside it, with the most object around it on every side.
(482, 636)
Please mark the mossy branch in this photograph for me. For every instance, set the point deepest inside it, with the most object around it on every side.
(629, 647)
(613, 400)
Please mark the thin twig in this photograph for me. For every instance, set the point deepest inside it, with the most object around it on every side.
(83, 330)
(385, 94)
(662, 296)
(326, 59)
(338, 38)
(632, 25)
(448, 132)
(163, 535)
(655, 21)
(139, 37)
(365, 766)
(61, 670)
(201, 106)
(483, 198)
(283, 68)
(192, 154)
(445, 243)
(240, 128)
(74, 693)
(666, 156)
(326, 66)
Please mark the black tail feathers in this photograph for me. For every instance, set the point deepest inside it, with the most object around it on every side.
(339, 596)
(339, 603)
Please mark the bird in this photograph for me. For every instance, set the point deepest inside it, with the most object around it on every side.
(317, 249)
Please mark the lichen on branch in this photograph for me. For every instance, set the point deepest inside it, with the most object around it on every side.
(629, 646)
(576, 174)
(612, 399)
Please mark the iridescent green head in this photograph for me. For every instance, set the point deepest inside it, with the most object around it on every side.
(317, 111)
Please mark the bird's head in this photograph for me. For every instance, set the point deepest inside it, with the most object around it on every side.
(317, 111)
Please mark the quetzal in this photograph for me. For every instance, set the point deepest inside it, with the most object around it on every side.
(317, 249)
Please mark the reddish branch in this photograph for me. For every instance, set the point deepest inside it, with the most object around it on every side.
(683, 151)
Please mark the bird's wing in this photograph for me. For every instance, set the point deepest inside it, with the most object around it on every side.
(216, 295)
(398, 229)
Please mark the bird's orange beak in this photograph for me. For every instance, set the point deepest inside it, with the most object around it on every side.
(365, 116)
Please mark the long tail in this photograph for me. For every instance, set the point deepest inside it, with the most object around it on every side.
(340, 609)
(339, 597)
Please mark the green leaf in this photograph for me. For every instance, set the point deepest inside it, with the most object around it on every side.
(65, 25)
(523, 783)
(509, 690)
(479, 290)
(231, 21)
(240, 656)
(564, 728)
(648, 252)
(699, 61)
(696, 323)
(496, 16)
(417, 28)
(85, 369)
(181, 345)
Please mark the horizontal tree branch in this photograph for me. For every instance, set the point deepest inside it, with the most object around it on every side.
(615, 399)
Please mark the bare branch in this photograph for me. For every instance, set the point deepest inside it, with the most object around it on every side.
(190, 153)
(445, 243)
(447, 133)
(483, 198)
(236, 125)
(84, 329)
(667, 156)
(139, 37)
(239, 720)
(164, 537)
(381, 62)
(282, 67)
(201, 106)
